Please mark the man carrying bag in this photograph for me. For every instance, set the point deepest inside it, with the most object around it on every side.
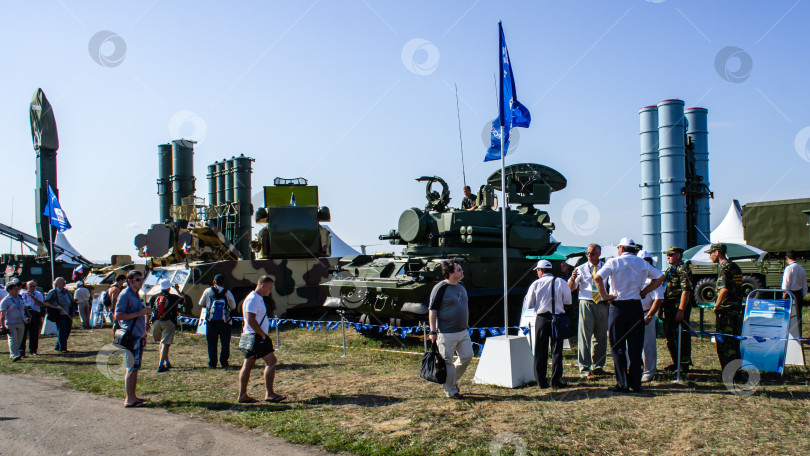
(256, 343)
(448, 313)
(547, 296)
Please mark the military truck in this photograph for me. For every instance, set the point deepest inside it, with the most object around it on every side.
(773, 226)
(394, 289)
(292, 247)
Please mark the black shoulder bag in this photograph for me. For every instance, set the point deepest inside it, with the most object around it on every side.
(248, 340)
(433, 368)
(560, 324)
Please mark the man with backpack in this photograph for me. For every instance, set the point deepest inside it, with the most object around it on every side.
(218, 303)
(165, 306)
(110, 297)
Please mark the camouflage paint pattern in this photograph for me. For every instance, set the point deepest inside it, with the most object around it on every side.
(296, 287)
(678, 280)
(728, 322)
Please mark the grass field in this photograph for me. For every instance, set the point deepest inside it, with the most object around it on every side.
(373, 403)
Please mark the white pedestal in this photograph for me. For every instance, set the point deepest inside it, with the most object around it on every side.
(201, 323)
(506, 361)
(48, 327)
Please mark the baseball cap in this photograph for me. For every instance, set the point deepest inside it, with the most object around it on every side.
(543, 264)
(165, 284)
(627, 242)
(79, 283)
(717, 247)
(674, 250)
(643, 254)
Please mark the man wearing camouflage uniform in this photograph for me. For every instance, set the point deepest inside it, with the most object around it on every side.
(728, 305)
(678, 300)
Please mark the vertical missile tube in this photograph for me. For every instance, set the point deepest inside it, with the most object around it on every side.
(183, 170)
(164, 184)
(229, 193)
(212, 190)
(242, 168)
(650, 189)
(698, 133)
(672, 158)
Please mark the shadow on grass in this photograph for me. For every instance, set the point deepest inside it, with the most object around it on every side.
(365, 400)
(298, 366)
(225, 405)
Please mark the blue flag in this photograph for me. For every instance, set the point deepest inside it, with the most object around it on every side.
(512, 113)
(55, 213)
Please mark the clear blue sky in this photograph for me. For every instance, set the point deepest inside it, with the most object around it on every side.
(322, 90)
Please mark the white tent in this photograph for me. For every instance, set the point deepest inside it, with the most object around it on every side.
(731, 228)
(340, 248)
(62, 242)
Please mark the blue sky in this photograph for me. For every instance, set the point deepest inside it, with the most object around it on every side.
(322, 90)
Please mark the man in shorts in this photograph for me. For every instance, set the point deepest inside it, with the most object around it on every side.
(164, 320)
(257, 323)
(133, 315)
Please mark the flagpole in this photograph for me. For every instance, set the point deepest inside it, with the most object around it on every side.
(503, 238)
(50, 232)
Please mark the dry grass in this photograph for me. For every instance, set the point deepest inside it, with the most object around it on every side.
(374, 403)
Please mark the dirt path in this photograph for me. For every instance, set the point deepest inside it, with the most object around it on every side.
(42, 416)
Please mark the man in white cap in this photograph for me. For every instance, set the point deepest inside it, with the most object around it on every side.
(165, 306)
(650, 303)
(82, 298)
(548, 296)
(627, 275)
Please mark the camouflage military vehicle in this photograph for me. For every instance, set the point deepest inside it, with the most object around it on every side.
(394, 289)
(759, 229)
(292, 247)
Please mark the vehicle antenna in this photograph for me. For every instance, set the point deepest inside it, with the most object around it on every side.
(460, 142)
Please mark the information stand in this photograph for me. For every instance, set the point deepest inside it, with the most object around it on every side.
(766, 324)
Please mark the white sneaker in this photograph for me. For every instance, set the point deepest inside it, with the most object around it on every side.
(647, 378)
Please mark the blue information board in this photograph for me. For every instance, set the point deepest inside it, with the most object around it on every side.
(766, 330)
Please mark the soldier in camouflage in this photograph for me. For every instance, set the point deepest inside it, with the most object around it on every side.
(678, 301)
(728, 305)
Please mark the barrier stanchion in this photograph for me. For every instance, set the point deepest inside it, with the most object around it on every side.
(278, 336)
(343, 324)
(424, 333)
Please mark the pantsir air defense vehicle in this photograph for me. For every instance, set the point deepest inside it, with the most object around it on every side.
(198, 241)
(394, 289)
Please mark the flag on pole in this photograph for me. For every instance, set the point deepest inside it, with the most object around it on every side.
(77, 271)
(512, 113)
(185, 248)
(54, 212)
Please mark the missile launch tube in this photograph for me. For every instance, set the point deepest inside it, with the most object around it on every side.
(650, 189)
(672, 157)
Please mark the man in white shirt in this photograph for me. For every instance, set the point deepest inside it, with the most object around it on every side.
(650, 304)
(257, 323)
(82, 298)
(218, 302)
(627, 274)
(593, 316)
(546, 305)
(794, 279)
(33, 300)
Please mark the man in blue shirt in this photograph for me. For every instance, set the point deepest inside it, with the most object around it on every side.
(133, 316)
(61, 299)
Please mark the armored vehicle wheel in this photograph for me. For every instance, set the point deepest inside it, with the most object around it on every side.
(705, 290)
(749, 284)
